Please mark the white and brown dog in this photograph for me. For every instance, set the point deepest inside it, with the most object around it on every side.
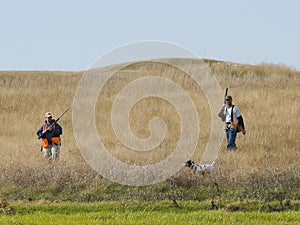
(203, 168)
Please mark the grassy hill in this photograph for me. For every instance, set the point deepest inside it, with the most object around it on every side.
(267, 157)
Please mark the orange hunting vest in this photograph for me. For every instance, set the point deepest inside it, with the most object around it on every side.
(54, 140)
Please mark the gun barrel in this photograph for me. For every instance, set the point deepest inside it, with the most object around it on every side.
(226, 92)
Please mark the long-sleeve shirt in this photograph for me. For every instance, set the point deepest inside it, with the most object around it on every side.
(55, 132)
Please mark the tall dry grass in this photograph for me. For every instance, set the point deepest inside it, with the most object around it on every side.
(268, 96)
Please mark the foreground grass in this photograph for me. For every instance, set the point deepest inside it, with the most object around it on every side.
(138, 212)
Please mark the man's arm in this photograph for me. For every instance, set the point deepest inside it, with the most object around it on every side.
(222, 115)
(241, 121)
(39, 132)
(58, 130)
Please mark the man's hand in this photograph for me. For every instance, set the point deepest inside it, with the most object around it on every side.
(243, 131)
(45, 131)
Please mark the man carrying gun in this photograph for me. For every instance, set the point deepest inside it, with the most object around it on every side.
(50, 134)
(233, 119)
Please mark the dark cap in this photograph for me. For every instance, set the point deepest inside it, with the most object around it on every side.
(228, 98)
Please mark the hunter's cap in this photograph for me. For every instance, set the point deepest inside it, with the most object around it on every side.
(229, 98)
(48, 114)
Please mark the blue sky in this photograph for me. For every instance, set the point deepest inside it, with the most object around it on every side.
(71, 35)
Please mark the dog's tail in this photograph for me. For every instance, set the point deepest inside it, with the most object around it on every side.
(214, 161)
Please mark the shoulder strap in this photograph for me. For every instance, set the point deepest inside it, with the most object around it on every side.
(232, 113)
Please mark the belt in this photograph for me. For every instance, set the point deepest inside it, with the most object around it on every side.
(228, 122)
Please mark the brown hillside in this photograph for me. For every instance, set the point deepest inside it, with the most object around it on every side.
(268, 96)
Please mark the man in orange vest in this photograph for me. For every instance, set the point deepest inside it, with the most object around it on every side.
(50, 134)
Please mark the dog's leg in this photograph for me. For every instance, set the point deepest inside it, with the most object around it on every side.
(192, 171)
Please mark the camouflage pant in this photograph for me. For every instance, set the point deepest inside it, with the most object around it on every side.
(52, 152)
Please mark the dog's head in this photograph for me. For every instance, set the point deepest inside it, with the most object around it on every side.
(189, 163)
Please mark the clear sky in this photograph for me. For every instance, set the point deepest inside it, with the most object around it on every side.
(71, 34)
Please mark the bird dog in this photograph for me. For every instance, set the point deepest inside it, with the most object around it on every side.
(203, 168)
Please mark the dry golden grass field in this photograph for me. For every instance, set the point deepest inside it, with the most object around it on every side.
(268, 96)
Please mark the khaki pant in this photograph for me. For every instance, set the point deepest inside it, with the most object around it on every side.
(52, 152)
